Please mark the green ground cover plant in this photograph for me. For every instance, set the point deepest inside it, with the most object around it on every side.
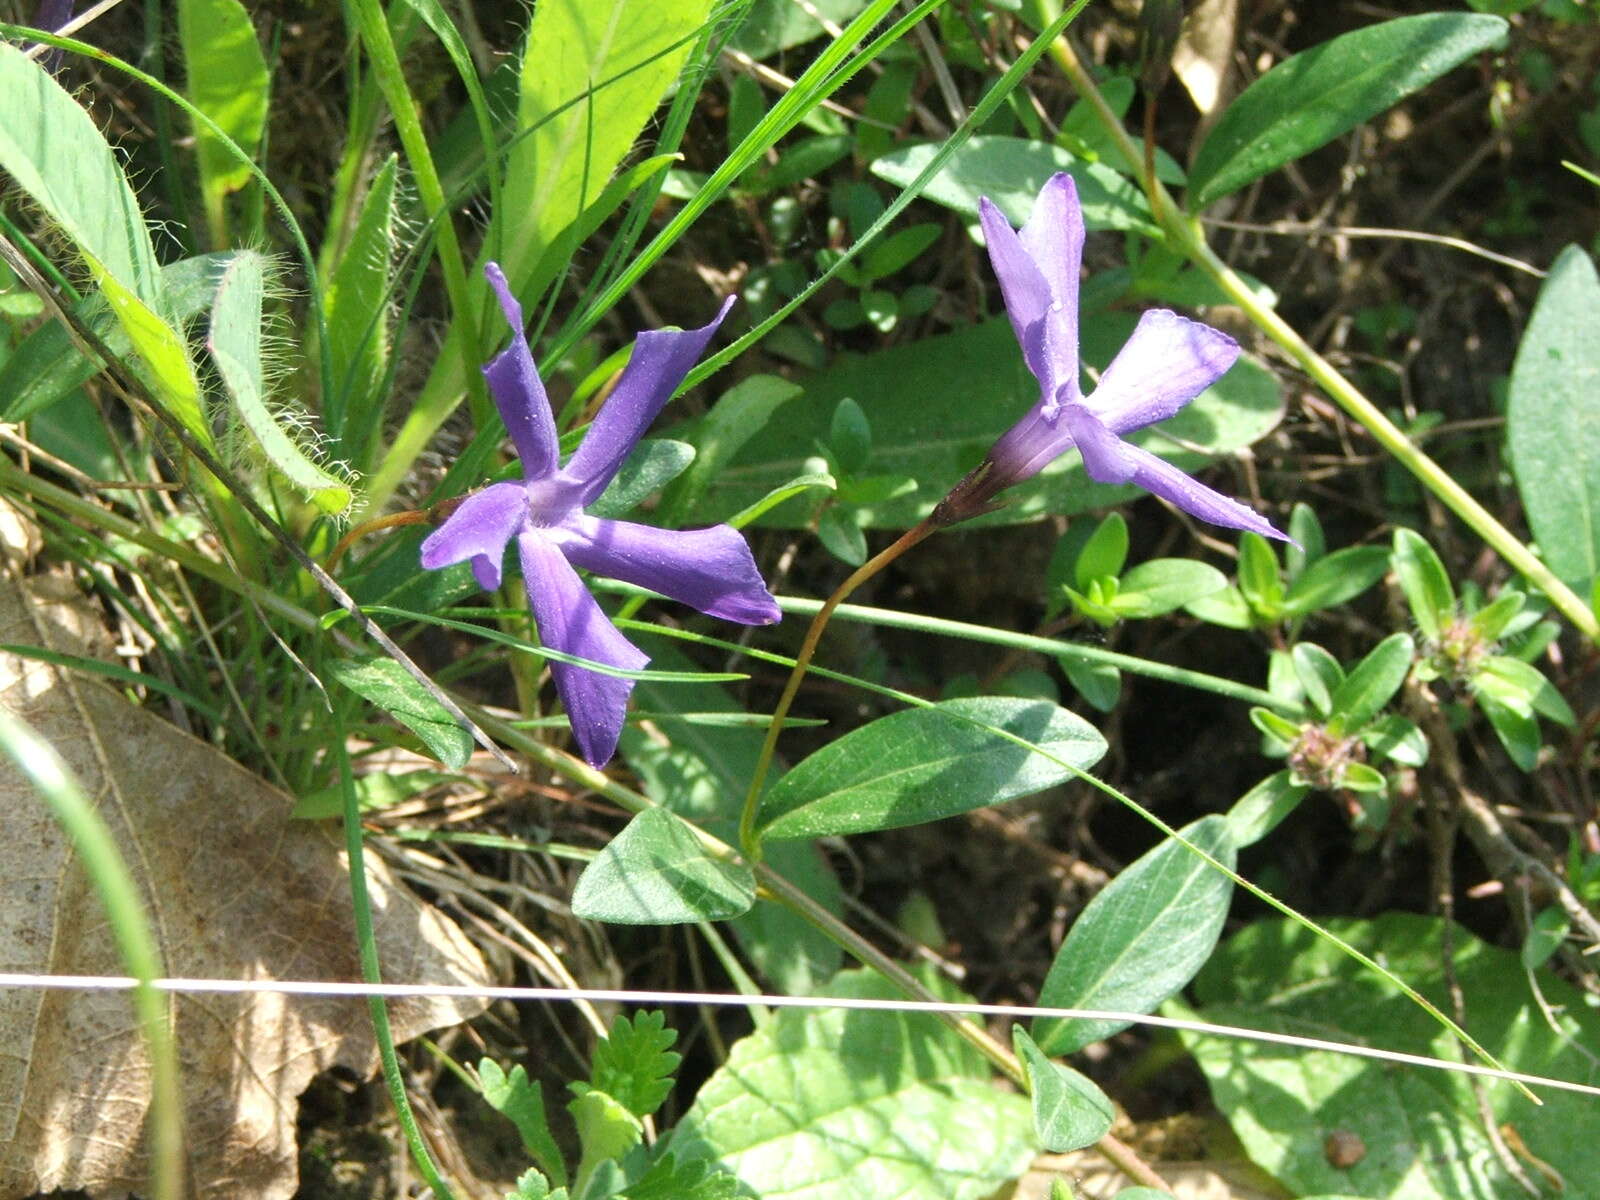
(1035, 620)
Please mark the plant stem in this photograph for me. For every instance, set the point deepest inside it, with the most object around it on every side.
(748, 841)
(1188, 236)
(366, 940)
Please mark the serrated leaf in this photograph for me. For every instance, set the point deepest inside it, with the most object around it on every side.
(1311, 98)
(634, 1062)
(669, 1178)
(517, 1098)
(927, 763)
(235, 345)
(836, 1105)
(1553, 419)
(1141, 939)
(606, 1131)
(531, 1185)
(657, 871)
(387, 684)
(1425, 582)
(1069, 1111)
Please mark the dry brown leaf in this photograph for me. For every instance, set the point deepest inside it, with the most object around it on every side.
(235, 890)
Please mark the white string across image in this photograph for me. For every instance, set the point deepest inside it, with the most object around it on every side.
(398, 991)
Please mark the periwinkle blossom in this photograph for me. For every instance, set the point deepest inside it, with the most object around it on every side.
(1167, 362)
(709, 569)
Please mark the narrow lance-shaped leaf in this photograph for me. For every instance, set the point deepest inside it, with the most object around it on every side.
(1308, 100)
(235, 345)
(1553, 419)
(357, 303)
(227, 80)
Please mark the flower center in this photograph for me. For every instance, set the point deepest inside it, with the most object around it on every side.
(551, 500)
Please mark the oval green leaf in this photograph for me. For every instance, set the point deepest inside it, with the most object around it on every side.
(927, 763)
(1308, 100)
(1141, 939)
(1069, 1111)
(657, 871)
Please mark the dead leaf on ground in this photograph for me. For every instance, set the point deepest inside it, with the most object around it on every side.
(235, 890)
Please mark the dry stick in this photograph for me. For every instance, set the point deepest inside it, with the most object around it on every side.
(138, 396)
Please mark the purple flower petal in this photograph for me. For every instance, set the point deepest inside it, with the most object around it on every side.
(1167, 362)
(1024, 289)
(1053, 236)
(570, 621)
(661, 358)
(1030, 446)
(1108, 459)
(709, 569)
(479, 529)
(519, 392)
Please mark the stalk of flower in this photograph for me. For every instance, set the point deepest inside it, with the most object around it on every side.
(1166, 363)
(710, 569)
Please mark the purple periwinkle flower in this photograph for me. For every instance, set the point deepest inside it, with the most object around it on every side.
(710, 569)
(1167, 362)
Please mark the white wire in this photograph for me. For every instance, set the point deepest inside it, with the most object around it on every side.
(402, 991)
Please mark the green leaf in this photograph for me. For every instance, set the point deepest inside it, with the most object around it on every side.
(1280, 732)
(634, 1062)
(1553, 419)
(593, 72)
(1167, 584)
(1426, 584)
(59, 158)
(927, 763)
(47, 367)
(657, 871)
(1069, 1111)
(1396, 739)
(1319, 673)
(519, 1099)
(356, 301)
(670, 1179)
(1308, 100)
(1545, 935)
(164, 352)
(1104, 553)
(1226, 608)
(1260, 578)
(235, 345)
(1423, 1129)
(899, 249)
(385, 683)
(701, 772)
(850, 436)
(717, 437)
(226, 79)
(837, 1105)
(1329, 582)
(1010, 171)
(1305, 529)
(1258, 812)
(1098, 683)
(1522, 686)
(775, 25)
(939, 404)
(1489, 623)
(1517, 729)
(652, 464)
(1141, 939)
(1373, 681)
(606, 1131)
(841, 535)
(531, 1185)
